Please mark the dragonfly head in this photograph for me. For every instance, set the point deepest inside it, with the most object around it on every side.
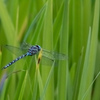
(39, 48)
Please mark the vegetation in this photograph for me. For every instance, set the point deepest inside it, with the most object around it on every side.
(66, 26)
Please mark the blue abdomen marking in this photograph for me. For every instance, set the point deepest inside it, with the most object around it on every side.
(20, 57)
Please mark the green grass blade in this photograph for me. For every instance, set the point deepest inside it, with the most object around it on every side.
(63, 67)
(57, 25)
(77, 29)
(85, 70)
(21, 94)
(42, 96)
(48, 44)
(7, 23)
(93, 48)
(33, 23)
(96, 94)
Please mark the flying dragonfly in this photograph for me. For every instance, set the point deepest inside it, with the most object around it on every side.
(31, 50)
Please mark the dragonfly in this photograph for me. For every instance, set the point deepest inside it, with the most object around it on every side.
(31, 50)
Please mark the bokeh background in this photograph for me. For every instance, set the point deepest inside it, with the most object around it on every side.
(70, 27)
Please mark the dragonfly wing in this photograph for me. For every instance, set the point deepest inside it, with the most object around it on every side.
(48, 58)
(54, 55)
(59, 56)
(17, 51)
(45, 61)
(25, 45)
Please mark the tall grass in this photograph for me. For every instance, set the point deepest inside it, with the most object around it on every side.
(68, 27)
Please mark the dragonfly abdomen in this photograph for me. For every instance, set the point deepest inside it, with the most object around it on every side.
(20, 57)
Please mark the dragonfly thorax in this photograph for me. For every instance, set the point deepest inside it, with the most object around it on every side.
(33, 50)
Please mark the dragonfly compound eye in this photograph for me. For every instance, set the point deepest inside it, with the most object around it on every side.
(39, 48)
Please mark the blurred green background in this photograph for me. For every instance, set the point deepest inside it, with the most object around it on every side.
(70, 27)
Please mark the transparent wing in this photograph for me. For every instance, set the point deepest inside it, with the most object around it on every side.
(25, 45)
(48, 58)
(54, 55)
(17, 51)
(45, 61)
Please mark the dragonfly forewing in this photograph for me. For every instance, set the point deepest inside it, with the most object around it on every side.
(17, 51)
(48, 58)
(54, 55)
(25, 45)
